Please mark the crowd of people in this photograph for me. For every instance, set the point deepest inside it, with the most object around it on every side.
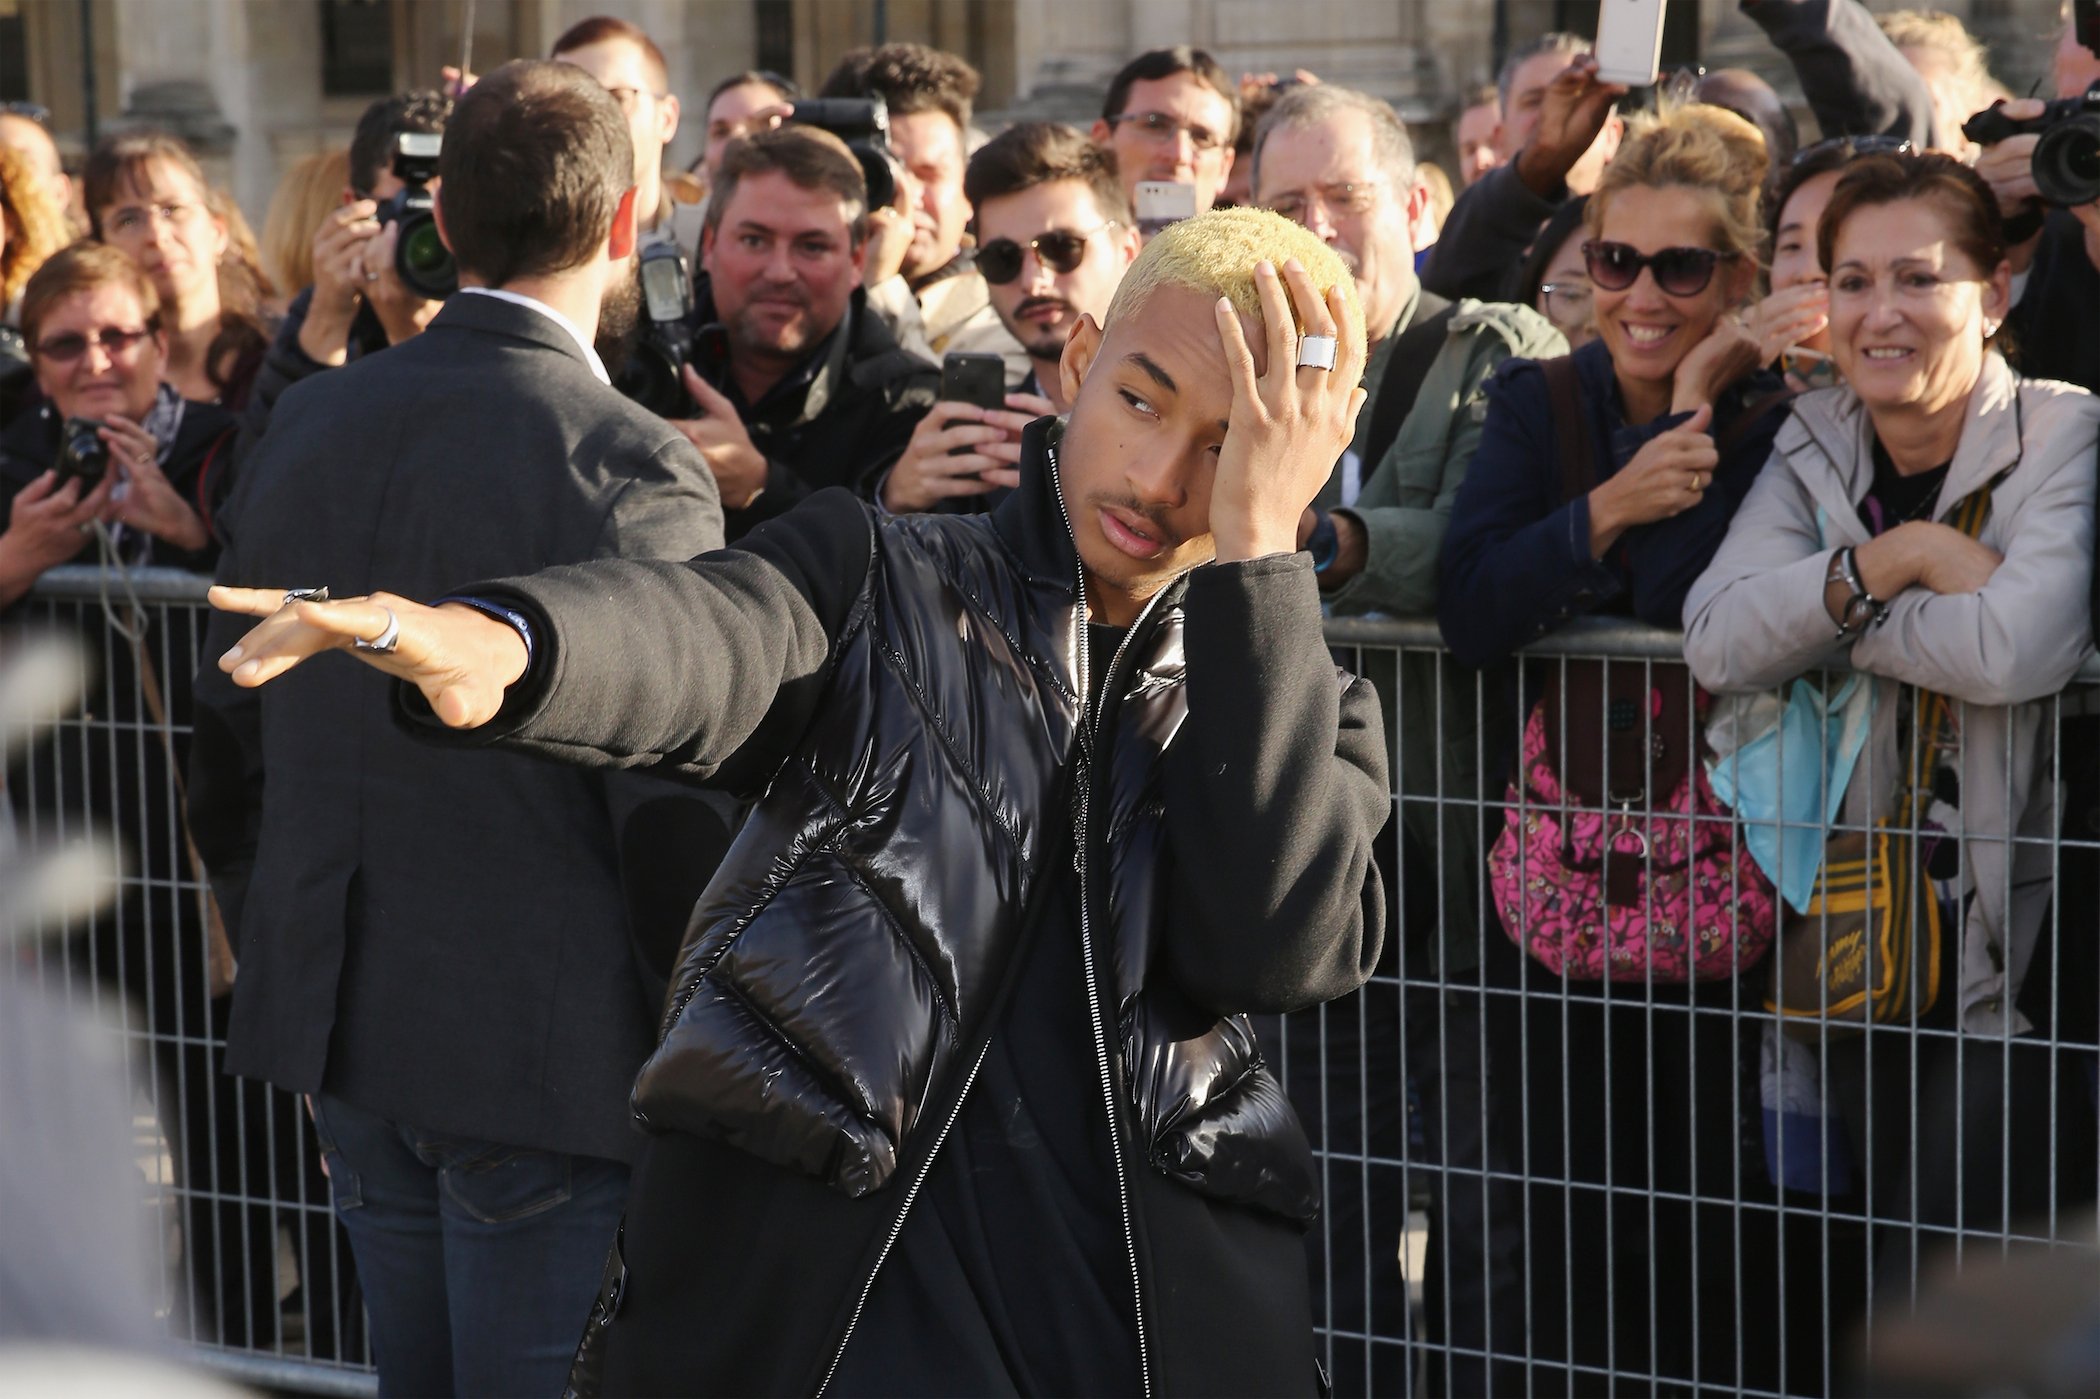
(904, 867)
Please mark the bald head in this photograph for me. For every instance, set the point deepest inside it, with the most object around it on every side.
(1750, 97)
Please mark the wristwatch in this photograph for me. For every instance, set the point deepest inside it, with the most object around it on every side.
(1862, 609)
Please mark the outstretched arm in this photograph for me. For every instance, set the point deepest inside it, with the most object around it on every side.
(628, 663)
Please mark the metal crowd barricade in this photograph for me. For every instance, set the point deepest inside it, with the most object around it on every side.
(1532, 1186)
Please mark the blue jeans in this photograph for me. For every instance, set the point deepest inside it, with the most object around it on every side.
(479, 1261)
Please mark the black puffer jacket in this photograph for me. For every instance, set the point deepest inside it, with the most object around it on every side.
(910, 691)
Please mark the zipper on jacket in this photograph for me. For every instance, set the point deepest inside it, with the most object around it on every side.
(897, 1225)
(1093, 993)
(1086, 928)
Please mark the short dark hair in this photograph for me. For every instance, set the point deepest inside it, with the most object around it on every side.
(1038, 153)
(372, 147)
(909, 78)
(1165, 63)
(599, 28)
(535, 161)
(787, 87)
(1888, 178)
(79, 267)
(810, 157)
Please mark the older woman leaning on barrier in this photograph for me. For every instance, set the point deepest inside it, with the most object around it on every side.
(1855, 547)
(1632, 1089)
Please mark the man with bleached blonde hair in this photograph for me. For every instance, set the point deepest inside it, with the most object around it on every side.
(956, 1089)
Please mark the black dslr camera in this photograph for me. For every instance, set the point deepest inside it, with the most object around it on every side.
(421, 258)
(2067, 158)
(82, 454)
(665, 341)
(863, 123)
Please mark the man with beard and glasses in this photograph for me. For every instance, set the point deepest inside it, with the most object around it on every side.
(800, 385)
(467, 1026)
(1054, 238)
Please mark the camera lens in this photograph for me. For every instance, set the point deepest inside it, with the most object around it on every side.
(423, 260)
(2067, 162)
(650, 378)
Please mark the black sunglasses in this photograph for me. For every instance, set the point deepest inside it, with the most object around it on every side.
(1853, 146)
(67, 346)
(1678, 271)
(1061, 249)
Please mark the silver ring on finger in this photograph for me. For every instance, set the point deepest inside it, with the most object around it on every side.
(386, 641)
(292, 595)
(1317, 351)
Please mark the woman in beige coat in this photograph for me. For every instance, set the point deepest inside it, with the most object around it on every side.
(1842, 555)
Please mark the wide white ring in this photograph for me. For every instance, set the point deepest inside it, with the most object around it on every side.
(1317, 351)
(387, 640)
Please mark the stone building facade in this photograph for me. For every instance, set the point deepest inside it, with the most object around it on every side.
(258, 83)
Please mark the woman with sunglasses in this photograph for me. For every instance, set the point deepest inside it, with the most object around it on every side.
(1844, 554)
(91, 318)
(1631, 1091)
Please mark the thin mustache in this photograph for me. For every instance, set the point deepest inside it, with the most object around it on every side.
(1037, 302)
(1152, 515)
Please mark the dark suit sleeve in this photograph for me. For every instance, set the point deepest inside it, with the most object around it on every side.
(708, 669)
(669, 508)
(226, 762)
(1276, 790)
(1857, 83)
(1486, 235)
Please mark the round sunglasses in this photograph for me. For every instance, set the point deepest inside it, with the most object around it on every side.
(1061, 249)
(1678, 271)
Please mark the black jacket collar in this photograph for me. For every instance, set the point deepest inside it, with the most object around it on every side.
(819, 380)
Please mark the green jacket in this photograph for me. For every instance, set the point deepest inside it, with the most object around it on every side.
(1436, 711)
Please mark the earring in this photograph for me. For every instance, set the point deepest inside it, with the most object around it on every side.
(1990, 327)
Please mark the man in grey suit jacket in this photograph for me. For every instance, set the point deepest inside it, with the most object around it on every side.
(435, 945)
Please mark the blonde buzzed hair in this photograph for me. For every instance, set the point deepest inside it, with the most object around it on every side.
(1215, 253)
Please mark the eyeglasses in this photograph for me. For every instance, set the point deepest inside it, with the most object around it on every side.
(1160, 128)
(1061, 250)
(1567, 304)
(629, 97)
(115, 341)
(1854, 145)
(1355, 197)
(1678, 271)
(35, 111)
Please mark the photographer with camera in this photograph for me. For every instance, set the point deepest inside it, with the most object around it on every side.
(800, 385)
(359, 303)
(468, 1035)
(928, 93)
(2040, 160)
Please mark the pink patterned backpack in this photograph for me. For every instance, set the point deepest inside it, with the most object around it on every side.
(1618, 862)
(1586, 879)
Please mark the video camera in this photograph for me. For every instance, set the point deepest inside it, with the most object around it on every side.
(665, 340)
(421, 258)
(863, 123)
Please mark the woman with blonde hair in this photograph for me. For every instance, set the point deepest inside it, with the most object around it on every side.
(1603, 484)
(32, 228)
(309, 192)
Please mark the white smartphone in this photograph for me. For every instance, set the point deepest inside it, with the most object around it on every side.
(1161, 202)
(1629, 41)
